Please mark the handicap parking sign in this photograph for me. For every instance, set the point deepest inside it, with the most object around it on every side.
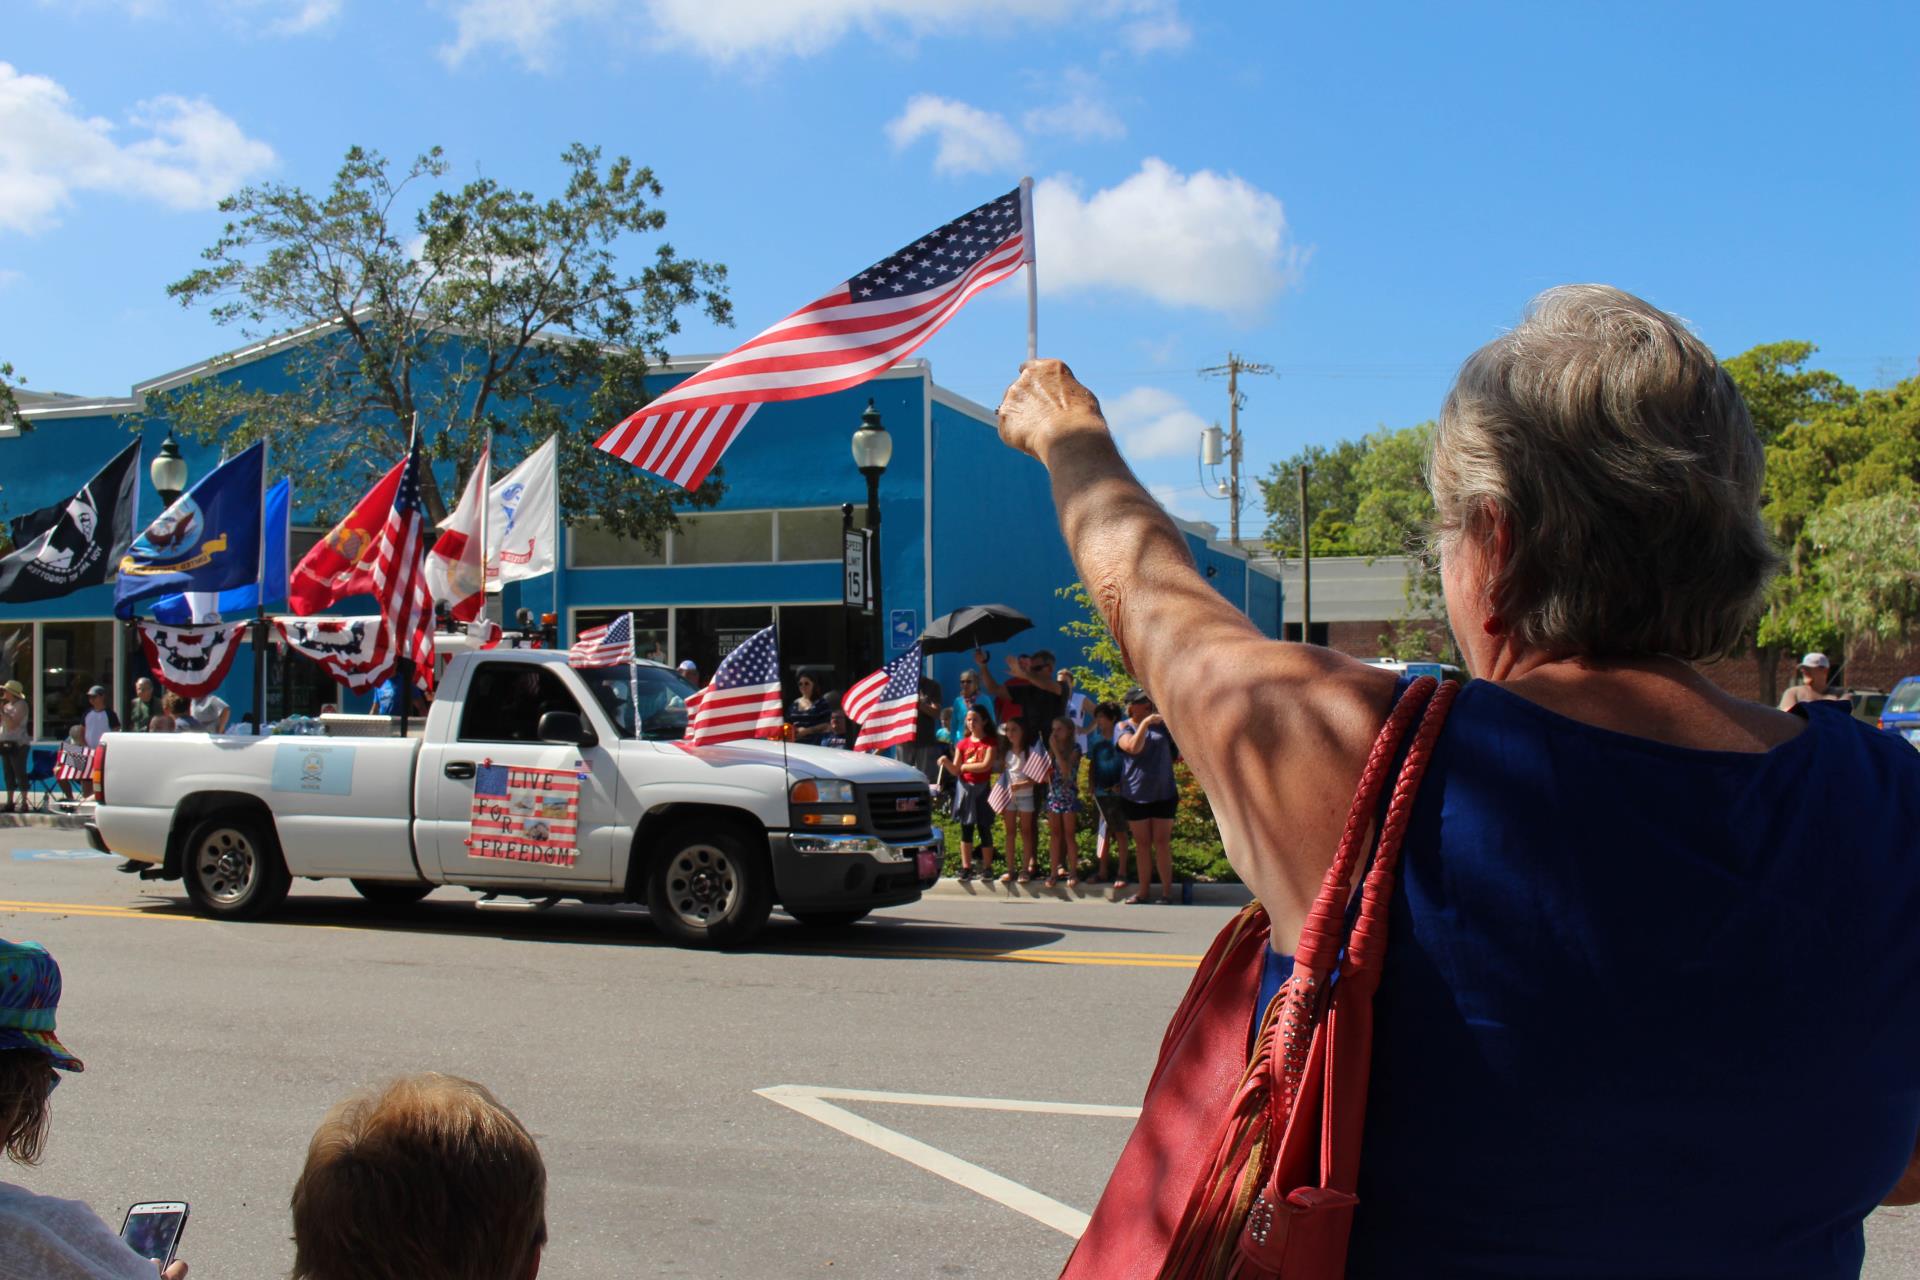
(903, 629)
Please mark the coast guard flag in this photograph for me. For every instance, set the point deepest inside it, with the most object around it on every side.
(742, 699)
(521, 529)
(209, 540)
(192, 609)
(77, 542)
(886, 704)
(861, 328)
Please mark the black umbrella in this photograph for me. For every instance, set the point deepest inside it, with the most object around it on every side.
(974, 627)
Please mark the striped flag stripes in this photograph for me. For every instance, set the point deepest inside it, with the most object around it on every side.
(886, 704)
(400, 580)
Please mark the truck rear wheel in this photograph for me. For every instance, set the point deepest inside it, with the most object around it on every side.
(233, 868)
(390, 895)
(709, 888)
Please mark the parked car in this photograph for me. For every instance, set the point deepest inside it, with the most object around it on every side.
(1866, 704)
(1900, 714)
(1438, 670)
(531, 779)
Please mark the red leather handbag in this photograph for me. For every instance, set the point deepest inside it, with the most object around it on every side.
(1245, 1166)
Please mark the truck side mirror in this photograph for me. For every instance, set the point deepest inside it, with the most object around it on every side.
(567, 726)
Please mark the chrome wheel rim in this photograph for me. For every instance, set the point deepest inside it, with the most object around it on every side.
(703, 884)
(225, 865)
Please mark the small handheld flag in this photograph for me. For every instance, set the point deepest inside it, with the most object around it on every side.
(859, 329)
(886, 704)
(1038, 766)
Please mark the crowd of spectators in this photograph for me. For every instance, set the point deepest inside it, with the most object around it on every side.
(428, 1177)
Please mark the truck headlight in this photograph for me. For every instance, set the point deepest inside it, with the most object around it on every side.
(821, 791)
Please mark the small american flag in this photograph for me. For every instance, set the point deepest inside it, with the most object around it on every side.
(887, 703)
(74, 763)
(861, 328)
(742, 699)
(608, 646)
(400, 581)
(1001, 797)
(1038, 766)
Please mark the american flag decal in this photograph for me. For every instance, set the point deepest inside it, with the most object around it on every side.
(860, 328)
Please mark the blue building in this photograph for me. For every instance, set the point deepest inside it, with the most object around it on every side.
(964, 520)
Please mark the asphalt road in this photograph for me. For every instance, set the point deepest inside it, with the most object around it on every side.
(213, 1049)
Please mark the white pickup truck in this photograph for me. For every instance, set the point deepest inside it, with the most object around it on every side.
(578, 798)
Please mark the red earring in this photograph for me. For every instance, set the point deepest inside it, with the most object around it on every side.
(1494, 626)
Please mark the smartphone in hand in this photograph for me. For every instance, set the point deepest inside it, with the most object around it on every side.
(153, 1229)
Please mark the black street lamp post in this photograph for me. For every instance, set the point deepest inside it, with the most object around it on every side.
(872, 451)
(169, 470)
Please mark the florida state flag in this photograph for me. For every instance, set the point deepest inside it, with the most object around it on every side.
(341, 564)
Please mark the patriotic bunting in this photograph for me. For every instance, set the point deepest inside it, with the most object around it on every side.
(190, 661)
(348, 648)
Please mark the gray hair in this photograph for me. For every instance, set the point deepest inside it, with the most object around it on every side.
(1622, 457)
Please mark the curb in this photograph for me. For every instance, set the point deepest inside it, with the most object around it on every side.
(48, 821)
(1191, 894)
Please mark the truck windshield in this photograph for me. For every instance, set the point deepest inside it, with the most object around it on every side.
(661, 697)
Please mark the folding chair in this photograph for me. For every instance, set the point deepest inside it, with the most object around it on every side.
(42, 791)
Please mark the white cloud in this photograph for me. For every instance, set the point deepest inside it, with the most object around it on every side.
(10, 277)
(526, 27)
(1082, 115)
(1204, 239)
(970, 140)
(184, 153)
(1152, 423)
(287, 17)
(728, 30)
(1180, 501)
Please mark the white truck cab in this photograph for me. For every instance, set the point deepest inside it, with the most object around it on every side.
(708, 838)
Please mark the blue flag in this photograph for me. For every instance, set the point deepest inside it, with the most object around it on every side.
(208, 541)
(184, 609)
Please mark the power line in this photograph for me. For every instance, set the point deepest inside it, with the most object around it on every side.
(1232, 369)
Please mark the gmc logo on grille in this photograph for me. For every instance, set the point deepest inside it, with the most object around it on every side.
(905, 805)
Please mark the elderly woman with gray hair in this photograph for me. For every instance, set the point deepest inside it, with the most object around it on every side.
(1649, 1007)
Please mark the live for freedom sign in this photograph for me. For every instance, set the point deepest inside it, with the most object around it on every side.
(525, 815)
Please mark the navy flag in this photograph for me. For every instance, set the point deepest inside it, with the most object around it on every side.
(77, 543)
(209, 540)
(194, 609)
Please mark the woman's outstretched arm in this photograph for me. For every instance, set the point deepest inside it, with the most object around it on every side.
(1276, 733)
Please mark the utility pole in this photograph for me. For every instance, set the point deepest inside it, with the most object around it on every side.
(1233, 368)
(1306, 566)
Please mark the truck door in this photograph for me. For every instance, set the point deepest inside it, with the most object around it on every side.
(545, 808)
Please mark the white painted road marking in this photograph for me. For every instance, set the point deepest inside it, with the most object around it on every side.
(812, 1101)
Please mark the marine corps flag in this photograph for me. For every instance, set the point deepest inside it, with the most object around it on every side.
(341, 564)
(77, 543)
(211, 539)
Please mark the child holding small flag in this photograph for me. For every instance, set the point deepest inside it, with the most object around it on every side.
(971, 764)
(1027, 766)
(1063, 804)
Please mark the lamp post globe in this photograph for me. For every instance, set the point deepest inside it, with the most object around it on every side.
(872, 451)
(169, 470)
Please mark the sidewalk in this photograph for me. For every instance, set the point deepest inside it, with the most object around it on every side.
(47, 821)
(1188, 892)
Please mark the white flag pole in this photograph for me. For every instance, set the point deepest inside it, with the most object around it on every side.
(1027, 257)
(486, 510)
(633, 664)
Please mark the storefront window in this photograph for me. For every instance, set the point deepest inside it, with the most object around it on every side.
(724, 537)
(707, 635)
(813, 639)
(74, 657)
(812, 534)
(592, 547)
(16, 658)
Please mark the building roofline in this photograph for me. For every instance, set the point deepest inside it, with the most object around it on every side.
(954, 400)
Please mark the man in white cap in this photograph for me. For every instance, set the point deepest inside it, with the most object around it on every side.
(1815, 672)
(689, 671)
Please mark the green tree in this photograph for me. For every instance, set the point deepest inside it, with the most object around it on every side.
(1102, 672)
(1869, 566)
(1331, 496)
(1779, 390)
(494, 309)
(10, 407)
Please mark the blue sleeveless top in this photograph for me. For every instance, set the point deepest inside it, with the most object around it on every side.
(1647, 1011)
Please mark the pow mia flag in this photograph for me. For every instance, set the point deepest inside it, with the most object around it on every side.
(77, 543)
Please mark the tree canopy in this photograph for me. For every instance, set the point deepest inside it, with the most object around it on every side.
(486, 309)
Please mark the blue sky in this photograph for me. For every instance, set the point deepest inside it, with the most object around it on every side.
(1358, 197)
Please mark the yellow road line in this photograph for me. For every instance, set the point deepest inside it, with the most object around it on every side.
(1039, 955)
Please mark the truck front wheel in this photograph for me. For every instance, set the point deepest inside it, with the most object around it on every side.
(233, 869)
(709, 888)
